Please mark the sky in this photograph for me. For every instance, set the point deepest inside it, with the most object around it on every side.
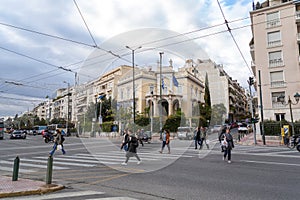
(44, 44)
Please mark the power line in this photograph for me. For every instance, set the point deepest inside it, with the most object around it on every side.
(85, 23)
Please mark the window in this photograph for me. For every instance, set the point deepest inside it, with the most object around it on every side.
(151, 89)
(275, 103)
(277, 79)
(274, 39)
(273, 19)
(279, 116)
(275, 59)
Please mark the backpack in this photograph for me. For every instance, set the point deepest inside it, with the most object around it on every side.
(134, 142)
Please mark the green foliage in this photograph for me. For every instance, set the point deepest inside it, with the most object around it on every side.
(142, 120)
(207, 105)
(217, 114)
(172, 123)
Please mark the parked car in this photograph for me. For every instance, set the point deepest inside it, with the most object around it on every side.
(18, 135)
(217, 129)
(185, 133)
(243, 128)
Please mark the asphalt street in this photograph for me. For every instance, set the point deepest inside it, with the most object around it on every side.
(92, 169)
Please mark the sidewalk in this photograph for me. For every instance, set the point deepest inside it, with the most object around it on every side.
(9, 188)
(270, 140)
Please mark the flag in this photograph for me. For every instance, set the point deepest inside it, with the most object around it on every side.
(175, 82)
(162, 83)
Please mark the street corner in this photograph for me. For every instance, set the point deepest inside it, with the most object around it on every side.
(25, 187)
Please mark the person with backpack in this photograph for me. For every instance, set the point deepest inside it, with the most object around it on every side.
(228, 145)
(133, 144)
(165, 141)
(58, 143)
(203, 136)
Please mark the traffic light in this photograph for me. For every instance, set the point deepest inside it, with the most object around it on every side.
(251, 81)
(254, 120)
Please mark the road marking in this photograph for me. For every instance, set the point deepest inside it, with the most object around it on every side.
(60, 163)
(270, 163)
(10, 169)
(63, 195)
(31, 165)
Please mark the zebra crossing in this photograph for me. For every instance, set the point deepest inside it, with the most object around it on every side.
(88, 195)
(114, 158)
(111, 158)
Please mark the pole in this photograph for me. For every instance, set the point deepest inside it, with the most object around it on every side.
(252, 114)
(68, 111)
(133, 82)
(160, 92)
(133, 86)
(292, 119)
(49, 170)
(16, 169)
(261, 110)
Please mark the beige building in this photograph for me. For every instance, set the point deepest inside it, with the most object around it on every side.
(223, 89)
(185, 95)
(275, 53)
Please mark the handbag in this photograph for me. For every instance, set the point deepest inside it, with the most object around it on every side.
(58, 147)
(224, 143)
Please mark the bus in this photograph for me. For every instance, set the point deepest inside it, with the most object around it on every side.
(38, 129)
(53, 127)
(1, 128)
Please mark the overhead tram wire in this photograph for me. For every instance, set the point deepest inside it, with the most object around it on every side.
(229, 30)
(85, 23)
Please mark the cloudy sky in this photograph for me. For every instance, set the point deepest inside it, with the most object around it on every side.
(44, 43)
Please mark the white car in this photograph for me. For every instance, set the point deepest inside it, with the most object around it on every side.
(185, 133)
(243, 128)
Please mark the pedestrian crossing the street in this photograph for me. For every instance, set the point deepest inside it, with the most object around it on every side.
(151, 158)
(88, 195)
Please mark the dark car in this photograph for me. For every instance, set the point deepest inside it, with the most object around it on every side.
(18, 135)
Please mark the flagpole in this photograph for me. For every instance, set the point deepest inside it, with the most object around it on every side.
(160, 92)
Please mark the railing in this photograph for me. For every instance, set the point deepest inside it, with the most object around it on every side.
(273, 23)
(275, 84)
(276, 63)
(274, 43)
(277, 105)
(298, 15)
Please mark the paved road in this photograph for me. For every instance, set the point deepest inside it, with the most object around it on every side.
(91, 170)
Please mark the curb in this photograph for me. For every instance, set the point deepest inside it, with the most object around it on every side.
(41, 190)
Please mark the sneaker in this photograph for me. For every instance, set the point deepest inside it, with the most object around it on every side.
(229, 161)
(124, 163)
(160, 151)
(139, 162)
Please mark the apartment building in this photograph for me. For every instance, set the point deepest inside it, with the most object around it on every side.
(223, 89)
(275, 54)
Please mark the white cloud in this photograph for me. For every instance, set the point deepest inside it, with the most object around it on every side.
(105, 19)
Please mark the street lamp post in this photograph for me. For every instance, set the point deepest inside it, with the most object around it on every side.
(160, 92)
(68, 100)
(133, 82)
(281, 99)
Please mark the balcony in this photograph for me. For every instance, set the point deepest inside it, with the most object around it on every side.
(274, 43)
(277, 84)
(297, 16)
(273, 23)
(276, 63)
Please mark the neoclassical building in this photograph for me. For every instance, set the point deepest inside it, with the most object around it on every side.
(163, 91)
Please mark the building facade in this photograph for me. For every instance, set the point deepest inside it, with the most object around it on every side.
(275, 56)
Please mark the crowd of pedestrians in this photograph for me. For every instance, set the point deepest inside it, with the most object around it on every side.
(131, 142)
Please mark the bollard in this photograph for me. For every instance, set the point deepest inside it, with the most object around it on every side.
(49, 170)
(16, 169)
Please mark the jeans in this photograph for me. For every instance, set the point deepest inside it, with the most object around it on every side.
(227, 152)
(54, 149)
(198, 142)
